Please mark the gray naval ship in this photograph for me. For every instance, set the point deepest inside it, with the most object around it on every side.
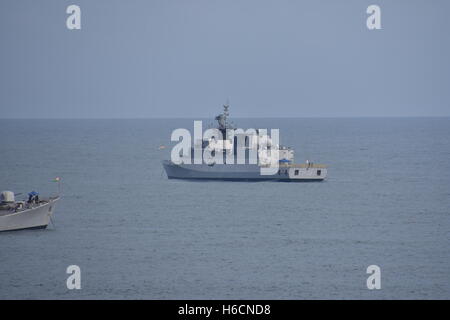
(287, 169)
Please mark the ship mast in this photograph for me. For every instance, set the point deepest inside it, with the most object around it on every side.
(222, 118)
(226, 113)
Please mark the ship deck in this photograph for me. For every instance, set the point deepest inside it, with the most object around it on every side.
(301, 165)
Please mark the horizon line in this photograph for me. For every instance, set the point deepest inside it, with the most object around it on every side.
(258, 117)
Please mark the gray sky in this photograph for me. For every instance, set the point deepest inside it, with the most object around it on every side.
(184, 58)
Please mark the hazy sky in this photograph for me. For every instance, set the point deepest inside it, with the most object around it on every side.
(184, 58)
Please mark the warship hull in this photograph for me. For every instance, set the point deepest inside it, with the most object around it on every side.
(243, 172)
(37, 217)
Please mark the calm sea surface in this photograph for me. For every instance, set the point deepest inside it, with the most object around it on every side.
(137, 235)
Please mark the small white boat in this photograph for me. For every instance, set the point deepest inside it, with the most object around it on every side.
(32, 214)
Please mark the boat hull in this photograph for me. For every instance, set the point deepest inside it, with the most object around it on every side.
(33, 218)
(240, 172)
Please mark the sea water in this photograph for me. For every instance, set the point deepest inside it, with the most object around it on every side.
(137, 235)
